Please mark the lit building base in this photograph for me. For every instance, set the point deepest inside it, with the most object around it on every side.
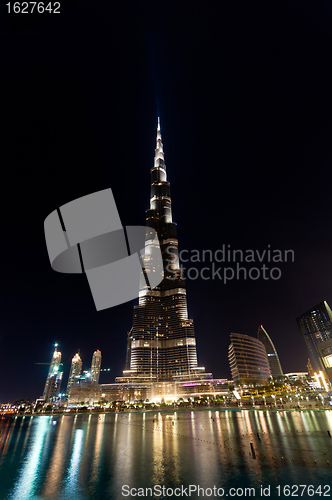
(157, 392)
(325, 352)
(84, 393)
(322, 380)
(131, 377)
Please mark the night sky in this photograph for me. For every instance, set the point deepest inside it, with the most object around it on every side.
(244, 92)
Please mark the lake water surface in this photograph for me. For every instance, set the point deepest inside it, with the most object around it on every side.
(94, 456)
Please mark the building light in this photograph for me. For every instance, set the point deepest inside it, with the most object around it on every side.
(321, 383)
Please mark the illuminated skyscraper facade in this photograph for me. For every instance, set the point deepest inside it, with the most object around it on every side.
(315, 327)
(95, 366)
(248, 360)
(128, 353)
(161, 345)
(53, 390)
(271, 352)
(54, 377)
(75, 371)
(325, 352)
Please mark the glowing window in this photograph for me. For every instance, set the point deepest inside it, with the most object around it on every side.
(328, 361)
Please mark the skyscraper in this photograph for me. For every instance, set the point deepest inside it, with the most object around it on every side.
(95, 366)
(271, 352)
(315, 326)
(75, 370)
(248, 360)
(325, 352)
(54, 377)
(161, 345)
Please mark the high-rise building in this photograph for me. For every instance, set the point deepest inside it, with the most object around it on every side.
(315, 326)
(161, 345)
(325, 352)
(248, 360)
(53, 389)
(54, 377)
(95, 366)
(271, 352)
(75, 370)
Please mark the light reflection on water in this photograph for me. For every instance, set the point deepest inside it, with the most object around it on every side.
(25, 484)
(92, 456)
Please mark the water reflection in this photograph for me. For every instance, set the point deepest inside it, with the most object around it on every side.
(72, 480)
(56, 467)
(18, 437)
(25, 486)
(97, 449)
(93, 456)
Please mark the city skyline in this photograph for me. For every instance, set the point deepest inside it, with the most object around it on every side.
(245, 111)
(76, 363)
(205, 127)
(161, 347)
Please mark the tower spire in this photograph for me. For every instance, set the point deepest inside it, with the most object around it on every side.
(159, 159)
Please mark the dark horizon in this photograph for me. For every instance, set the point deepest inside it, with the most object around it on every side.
(244, 97)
